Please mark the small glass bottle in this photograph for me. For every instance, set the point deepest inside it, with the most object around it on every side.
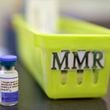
(8, 81)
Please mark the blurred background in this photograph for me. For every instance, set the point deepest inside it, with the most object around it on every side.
(96, 11)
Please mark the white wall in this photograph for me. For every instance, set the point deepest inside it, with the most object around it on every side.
(95, 10)
(90, 9)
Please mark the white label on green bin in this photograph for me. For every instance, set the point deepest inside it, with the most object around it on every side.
(79, 60)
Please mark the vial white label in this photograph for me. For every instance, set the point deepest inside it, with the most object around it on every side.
(8, 89)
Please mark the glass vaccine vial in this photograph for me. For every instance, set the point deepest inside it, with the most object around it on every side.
(8, 81)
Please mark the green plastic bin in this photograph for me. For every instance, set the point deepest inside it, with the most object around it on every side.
(75, 64)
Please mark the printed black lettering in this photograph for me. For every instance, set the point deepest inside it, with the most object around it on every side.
(98, 56)
(77, 62)
(57, 62)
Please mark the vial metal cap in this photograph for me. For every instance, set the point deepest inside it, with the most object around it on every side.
(8, 58)
(8, 61)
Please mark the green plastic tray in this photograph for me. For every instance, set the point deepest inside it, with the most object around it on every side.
(52, 58)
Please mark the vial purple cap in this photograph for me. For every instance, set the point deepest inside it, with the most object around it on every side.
(8, 58)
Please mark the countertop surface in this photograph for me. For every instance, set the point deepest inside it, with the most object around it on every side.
(33, 98)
